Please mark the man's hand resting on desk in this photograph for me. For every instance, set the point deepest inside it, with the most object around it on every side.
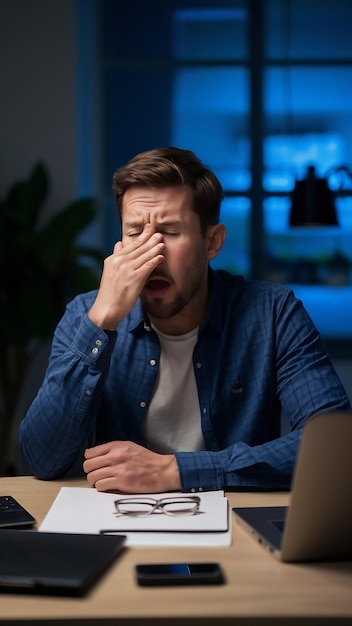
(126, 466)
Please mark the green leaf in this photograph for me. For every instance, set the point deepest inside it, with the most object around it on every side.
(25, 198)
(83, 279)
(56, 239)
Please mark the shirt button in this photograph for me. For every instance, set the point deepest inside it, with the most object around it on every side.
(199, 365)
(143, 404)
(88, 392)
(95, 351)
(204, 411)
(98, 342)
(152, 362)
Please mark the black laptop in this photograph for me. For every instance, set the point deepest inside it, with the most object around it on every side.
(54, 563)
(317, 526)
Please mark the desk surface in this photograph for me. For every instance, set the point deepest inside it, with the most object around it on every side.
(259, 588)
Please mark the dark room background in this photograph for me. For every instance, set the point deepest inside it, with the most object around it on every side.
(259, 89)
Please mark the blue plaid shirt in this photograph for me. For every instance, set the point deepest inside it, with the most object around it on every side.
(258, 355)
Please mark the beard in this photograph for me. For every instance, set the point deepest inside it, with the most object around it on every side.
(159, 309)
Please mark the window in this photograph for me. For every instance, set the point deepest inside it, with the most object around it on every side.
(260, 91)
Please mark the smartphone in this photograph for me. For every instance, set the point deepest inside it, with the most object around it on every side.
(149, 574)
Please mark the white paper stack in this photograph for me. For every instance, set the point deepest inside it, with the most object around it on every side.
(84, 510)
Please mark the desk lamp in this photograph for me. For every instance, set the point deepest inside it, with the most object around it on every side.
(313, 202)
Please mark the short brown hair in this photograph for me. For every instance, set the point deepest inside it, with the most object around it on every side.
(168, 167)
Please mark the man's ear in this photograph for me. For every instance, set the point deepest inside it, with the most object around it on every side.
(214, 238)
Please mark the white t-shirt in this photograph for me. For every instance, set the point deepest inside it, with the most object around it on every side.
(173, 420)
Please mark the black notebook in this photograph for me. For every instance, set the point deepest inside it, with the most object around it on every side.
(54, 563)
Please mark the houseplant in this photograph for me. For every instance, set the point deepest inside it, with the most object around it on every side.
(41, 267)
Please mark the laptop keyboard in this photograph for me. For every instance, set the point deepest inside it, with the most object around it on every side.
(8, 504)
(13, 514)
(278, 523)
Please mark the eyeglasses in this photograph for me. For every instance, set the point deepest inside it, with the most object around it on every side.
(140, 507)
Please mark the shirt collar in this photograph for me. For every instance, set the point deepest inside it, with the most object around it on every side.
(137, 317)
(214, 315)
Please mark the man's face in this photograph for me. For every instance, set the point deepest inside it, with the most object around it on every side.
(175, 294)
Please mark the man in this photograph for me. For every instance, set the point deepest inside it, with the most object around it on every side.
(176, 374)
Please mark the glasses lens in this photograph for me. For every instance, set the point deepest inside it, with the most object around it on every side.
(180, 507)
(133, 507)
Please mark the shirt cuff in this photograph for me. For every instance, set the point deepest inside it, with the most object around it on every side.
(93, 343)
(200, 471)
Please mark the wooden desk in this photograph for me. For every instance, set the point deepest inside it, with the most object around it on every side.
(259, 589)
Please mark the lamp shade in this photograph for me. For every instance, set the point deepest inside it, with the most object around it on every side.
(313, 202)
